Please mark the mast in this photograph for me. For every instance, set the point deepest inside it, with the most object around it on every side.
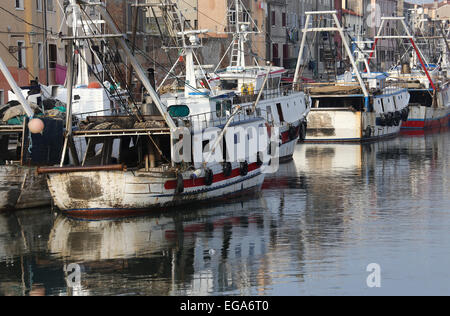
(336, 28)
(140, 73)
(17, 91)
(407, 36)
(45, 43)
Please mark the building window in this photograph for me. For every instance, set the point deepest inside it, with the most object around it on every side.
(285, 51)
(21, 54)
(275, 50)
(283, 19)
(52, 56)
(50, 5)
(39, 5)
(2, 97)
(274, 18)
(19, 4)
(40, 56)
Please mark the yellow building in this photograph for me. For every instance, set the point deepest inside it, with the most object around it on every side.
(22, 42)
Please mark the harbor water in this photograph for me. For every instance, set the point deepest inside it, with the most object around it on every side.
(318, 227)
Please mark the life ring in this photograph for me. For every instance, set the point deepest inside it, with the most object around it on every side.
(293, 132)
(302, 133)
(227, 169)
(180, 184)
(368, 132)
(209, 177)
(405, 114)
(381, 121)
(389, 119)
(397, 118)
(243, 170)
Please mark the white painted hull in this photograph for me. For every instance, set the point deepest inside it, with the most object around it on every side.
(97, 192)
(21, 187)
(347, 125)
(295, 111)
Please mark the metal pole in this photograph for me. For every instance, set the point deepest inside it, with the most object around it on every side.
(138, 69)
(45, 43)
(69, 80)
(300, 54)
(15, 88)
(349, 52)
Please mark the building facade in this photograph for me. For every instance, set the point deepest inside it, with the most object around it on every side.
(29, 42)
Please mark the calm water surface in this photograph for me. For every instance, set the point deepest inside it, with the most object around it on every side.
(316, 227)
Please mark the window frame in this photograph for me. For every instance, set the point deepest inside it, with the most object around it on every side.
(21, 5)
(21, 55)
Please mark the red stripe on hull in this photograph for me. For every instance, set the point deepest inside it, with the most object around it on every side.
(427, 123)
(191, 183)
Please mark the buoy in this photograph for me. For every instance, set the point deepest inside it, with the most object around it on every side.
(36, 126)
(180, 184)
(209, 177)
(227, 169)
(243, 170)
(94, 85)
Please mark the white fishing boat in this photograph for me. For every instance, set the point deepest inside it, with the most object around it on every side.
(358, 107)
(184, 154)
(428, 84)
(261, 84)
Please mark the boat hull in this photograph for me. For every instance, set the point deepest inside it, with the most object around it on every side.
(422, 117)
(348, 125)
(119, 192)
(21, 187)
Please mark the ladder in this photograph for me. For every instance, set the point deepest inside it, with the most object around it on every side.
(235, 54)
(174, 21)
(328, 57)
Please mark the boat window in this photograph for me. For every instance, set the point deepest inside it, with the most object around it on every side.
(344, 102)
(219, 109)
(273, 83)
(229, 84)
(223, 107)
(179, 110)
(421, 97)
(269, 113)
(280, 112)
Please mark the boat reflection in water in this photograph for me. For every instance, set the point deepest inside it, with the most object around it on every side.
(215, 249)
(318, 224)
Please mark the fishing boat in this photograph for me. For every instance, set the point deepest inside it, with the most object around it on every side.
(428, 84)
(261, 84)
(23, 149)
(191, 151)
(355, 107)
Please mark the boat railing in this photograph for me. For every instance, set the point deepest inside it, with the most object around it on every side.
(211, 119)
(247, 96)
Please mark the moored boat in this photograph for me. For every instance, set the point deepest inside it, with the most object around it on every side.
(427, 83)
(261, 85)
(191, 151)
(356, 107)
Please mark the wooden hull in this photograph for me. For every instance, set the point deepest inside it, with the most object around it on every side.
(118, 192)
(21, 187)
